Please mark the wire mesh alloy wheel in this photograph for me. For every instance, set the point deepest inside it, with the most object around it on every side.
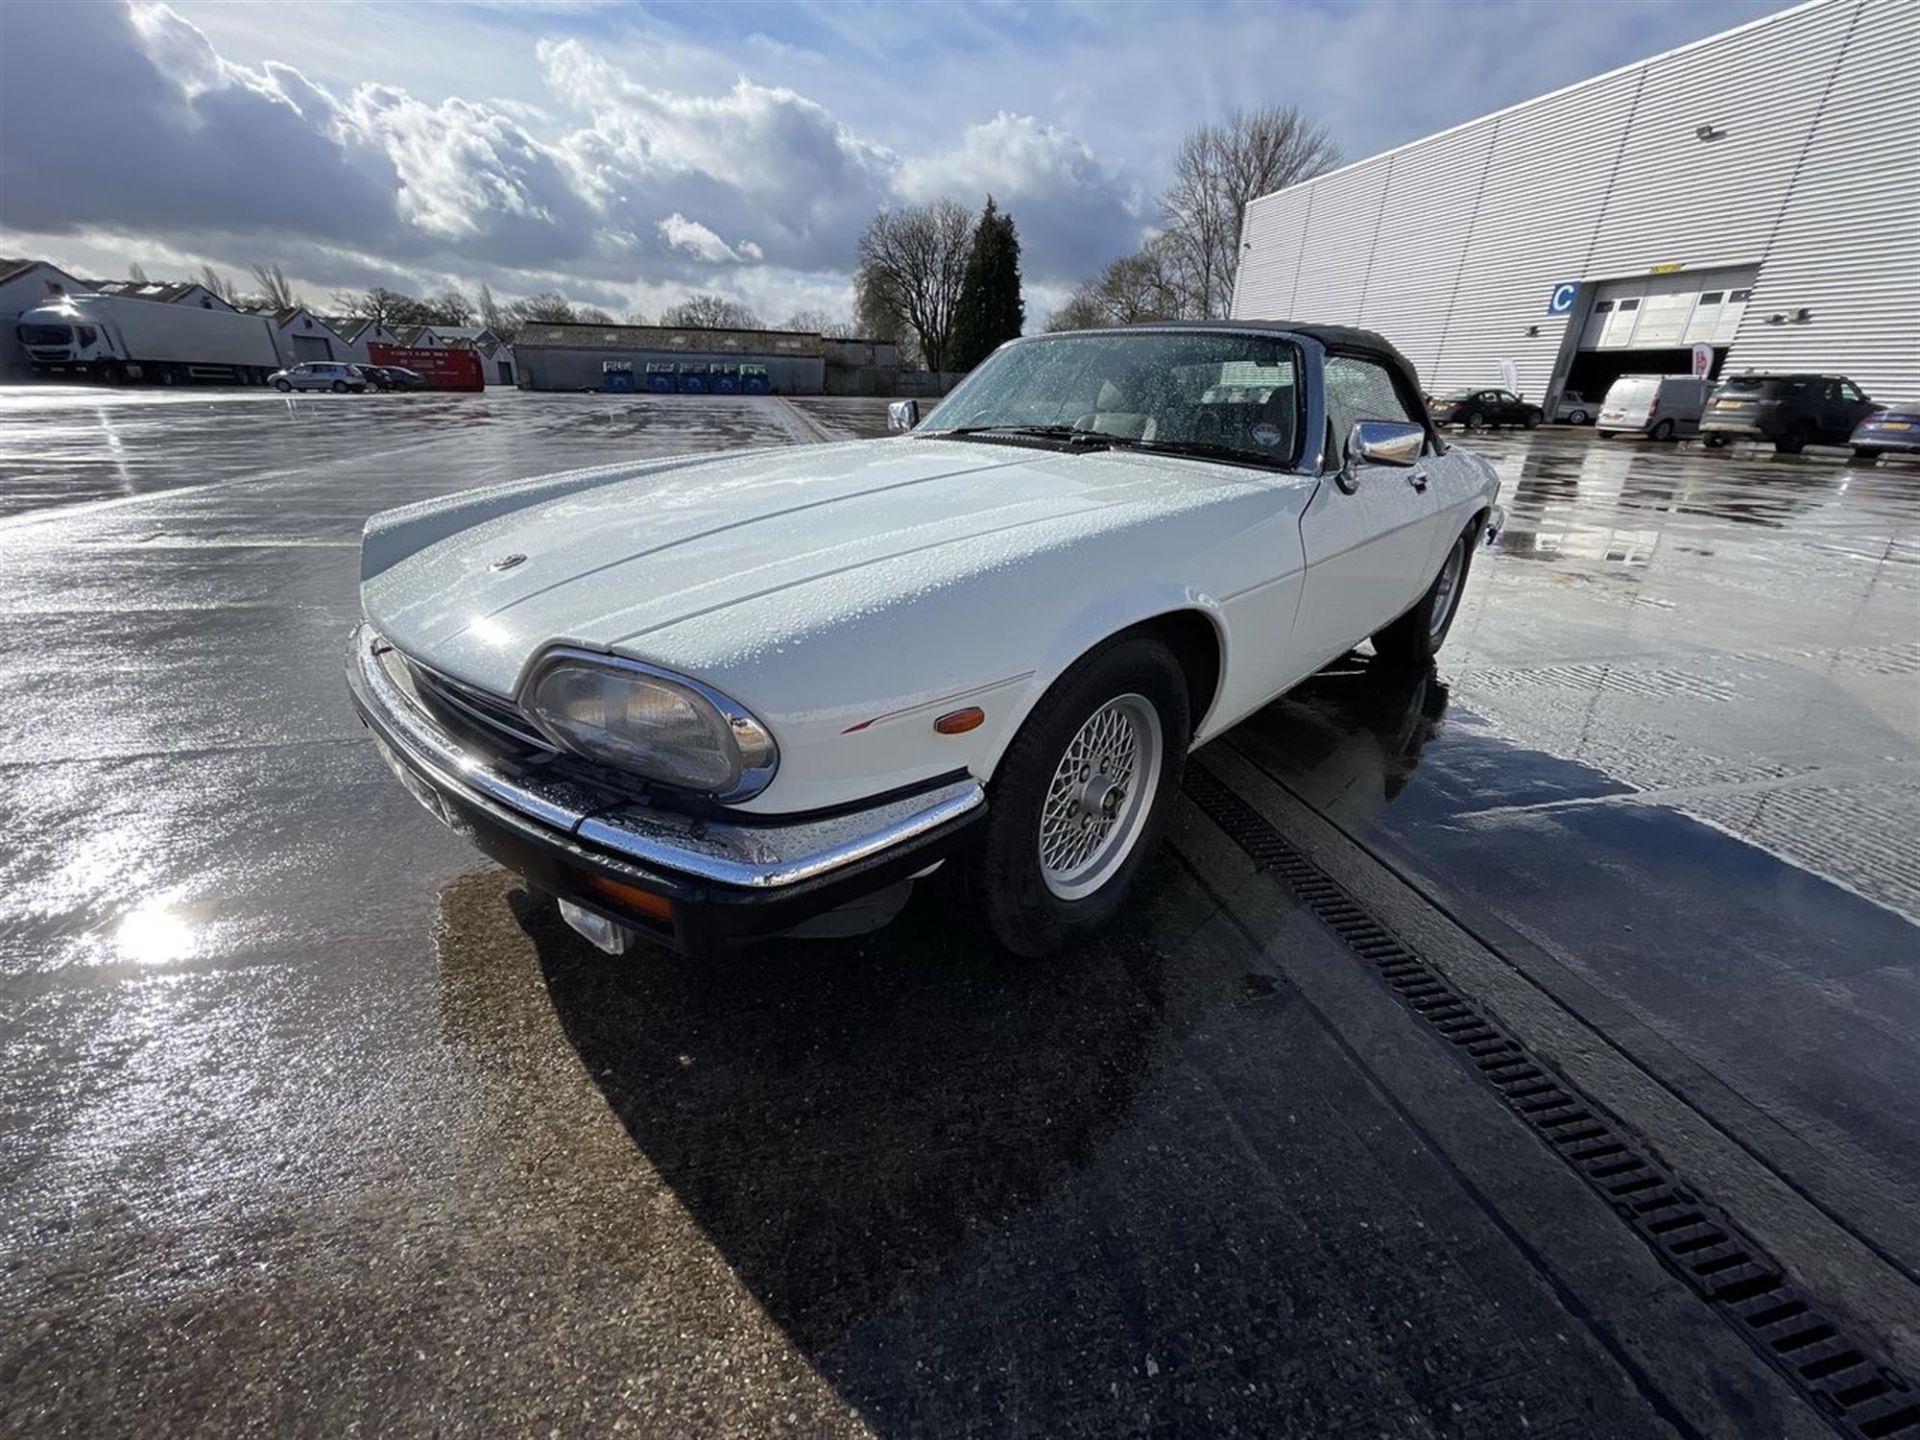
(1100, 797)
(1446, 590)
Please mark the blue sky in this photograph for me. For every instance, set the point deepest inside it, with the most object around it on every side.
(628, 154)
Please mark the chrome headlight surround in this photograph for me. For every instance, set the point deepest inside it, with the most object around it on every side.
(740, 752)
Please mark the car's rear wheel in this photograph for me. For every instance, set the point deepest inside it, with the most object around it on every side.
(339, 387)
(1577, 417)
(1081, 796)
(1866, 452)
(1713, 441)
(1794, 441)
(1663, 431)
(1417, 636)
(1475, 420)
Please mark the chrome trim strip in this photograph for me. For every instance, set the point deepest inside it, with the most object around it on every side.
(757, 856)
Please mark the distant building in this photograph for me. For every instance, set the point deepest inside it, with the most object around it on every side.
(357, 334)
(24, 285)
(305, 336)
(1753, 194)
(573, 357)
(185, 292)
(496, 356)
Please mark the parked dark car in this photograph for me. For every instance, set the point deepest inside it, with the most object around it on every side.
(1485, 409)
(393, 377)
(1890, 430)
(1793, 411)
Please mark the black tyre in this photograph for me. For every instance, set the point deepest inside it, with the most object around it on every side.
(1416, 637)
(1081, 797)
(1714, 441)
(1578, 417)
(1663, 431)
(339, 387)
(285, 387)
(1532, 421)
(1866, 452)
(1794, 441)
(1475, 420)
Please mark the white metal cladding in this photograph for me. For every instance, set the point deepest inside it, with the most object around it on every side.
(1459, 239)
(1847, 248)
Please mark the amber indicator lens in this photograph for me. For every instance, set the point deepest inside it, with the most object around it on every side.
(632, 896)
(958, 722)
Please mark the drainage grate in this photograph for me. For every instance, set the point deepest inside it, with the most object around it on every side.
(1859, 1393)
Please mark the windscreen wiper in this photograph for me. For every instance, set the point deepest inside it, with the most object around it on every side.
(1199, 450)
(1069, 433)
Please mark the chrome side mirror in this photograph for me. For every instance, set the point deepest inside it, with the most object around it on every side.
(903, 414)
(1381, 442)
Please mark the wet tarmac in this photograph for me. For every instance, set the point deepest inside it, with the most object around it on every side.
(310, 1122)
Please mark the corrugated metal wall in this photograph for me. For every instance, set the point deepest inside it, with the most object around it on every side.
(1451, 246)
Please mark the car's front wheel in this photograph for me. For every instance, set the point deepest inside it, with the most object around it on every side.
(1532, 422)
(285, 387)
(1081, 796)
(1417, 636)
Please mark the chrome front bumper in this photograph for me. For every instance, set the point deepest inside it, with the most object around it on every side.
(599, 829)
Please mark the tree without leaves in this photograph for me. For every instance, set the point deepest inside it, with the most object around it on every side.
(276, 293)
(218, 284)
(386, 307)
(821, 322)
(1133, 289)
(912, 263)
(711, 312)
(494, 317)
(989, 310)
(449, 307)
(1220, 168)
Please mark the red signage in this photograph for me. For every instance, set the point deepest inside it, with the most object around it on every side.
(444, 369)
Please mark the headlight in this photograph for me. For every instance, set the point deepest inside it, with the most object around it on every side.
(664, 727)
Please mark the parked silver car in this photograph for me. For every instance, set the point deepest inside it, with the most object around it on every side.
(1573, 408)
(333, 375)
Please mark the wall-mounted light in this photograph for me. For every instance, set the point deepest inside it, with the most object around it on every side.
(1708, 132)
(1802, 315)
(1532, 330)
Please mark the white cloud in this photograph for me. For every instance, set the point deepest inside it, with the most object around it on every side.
(631, 159)
(701, 243)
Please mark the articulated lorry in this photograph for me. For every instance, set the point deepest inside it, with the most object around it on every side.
(116, 339)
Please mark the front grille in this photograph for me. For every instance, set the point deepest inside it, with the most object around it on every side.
(476, 706)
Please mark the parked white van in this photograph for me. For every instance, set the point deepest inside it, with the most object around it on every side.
(1661, 406)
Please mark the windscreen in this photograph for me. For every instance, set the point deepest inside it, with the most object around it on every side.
(1239, 393)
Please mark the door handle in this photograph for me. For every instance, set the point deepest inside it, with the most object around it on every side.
(1418, 480)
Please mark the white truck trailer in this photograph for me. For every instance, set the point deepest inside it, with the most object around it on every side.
(117, 339)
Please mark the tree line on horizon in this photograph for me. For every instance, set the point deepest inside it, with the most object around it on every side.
(938, 280)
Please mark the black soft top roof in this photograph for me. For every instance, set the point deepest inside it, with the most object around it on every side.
(1347, 338)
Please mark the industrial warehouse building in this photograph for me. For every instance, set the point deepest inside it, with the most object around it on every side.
(1757, 191)
(575, 357)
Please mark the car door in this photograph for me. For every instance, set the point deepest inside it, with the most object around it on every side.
(1854, 406)
(1371, 552)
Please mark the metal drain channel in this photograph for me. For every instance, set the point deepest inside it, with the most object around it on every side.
(1858, 1392)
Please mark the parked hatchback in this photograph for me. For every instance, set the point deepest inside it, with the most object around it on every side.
(1890, 430)
(331, 375)
(1485, 409)
(1793, 411)
(1663, 407)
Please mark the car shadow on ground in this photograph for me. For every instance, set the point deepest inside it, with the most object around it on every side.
(966, 1186)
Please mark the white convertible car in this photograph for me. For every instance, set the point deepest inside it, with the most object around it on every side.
(725, 696)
